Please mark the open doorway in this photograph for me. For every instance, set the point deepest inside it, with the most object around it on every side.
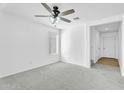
(105, 42)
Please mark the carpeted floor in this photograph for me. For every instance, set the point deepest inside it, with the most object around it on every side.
(65, 76)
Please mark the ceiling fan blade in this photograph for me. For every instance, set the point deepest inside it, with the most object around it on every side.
(47, 7)
(42, 15)
(65, 20)
(67, 12)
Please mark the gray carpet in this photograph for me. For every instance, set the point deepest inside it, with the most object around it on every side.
(64, 76)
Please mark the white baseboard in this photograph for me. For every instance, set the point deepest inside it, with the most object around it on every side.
(27, 69)
(83, 65)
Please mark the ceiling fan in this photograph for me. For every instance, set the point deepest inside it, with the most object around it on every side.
(55, 14)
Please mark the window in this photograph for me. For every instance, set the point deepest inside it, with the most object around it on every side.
(53, 42)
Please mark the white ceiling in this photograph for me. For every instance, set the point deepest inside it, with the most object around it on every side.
(85, 11)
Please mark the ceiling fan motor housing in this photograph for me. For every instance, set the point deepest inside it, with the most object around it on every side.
(56, 11)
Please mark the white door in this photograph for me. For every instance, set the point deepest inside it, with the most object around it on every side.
(109, 46)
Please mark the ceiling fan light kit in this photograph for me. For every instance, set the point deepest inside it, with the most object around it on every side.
(55, 15)
(54, 20)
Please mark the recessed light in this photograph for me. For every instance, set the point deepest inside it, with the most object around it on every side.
(106, 29)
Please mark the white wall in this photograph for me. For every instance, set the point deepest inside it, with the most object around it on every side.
(73, 45)
(92, 46)
(95, 45)
(122, 47)
(97, 49)
(23, 45)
